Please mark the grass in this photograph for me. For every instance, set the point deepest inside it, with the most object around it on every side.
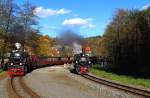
(129, 80)
(1, 70)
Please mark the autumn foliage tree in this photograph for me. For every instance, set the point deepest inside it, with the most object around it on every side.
(95, 44)
(16, 25)
(127, 40)
(44, 47)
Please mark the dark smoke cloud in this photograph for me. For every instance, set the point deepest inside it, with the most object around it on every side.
(68, 37)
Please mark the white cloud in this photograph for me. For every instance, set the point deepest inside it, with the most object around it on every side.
(43, 13)
(145, 7)
(79, 22)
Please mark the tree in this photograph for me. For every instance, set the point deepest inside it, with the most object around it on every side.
(45, 46)
(16, 25)
(127, 40)
(96, 45)
(6, 17)
(26, 20)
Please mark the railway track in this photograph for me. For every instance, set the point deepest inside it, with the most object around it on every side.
(133, 90)
(17, 88)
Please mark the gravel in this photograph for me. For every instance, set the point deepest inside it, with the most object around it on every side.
(3, 91)
(103, 90)
(53, 82)
(19, 88)
(58, 82)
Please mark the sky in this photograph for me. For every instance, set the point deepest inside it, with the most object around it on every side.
(85, 17)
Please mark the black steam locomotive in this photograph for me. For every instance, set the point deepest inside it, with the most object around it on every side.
(82, 63)
(19, 62)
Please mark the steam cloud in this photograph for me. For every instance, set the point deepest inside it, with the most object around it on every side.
(69, 37)
(72, 39)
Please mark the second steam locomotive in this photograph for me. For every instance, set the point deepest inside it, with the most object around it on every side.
(82, 62)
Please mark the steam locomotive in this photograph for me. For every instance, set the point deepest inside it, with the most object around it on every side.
(82, 62)
(19, 62)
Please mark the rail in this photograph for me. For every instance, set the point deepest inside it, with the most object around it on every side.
(134, 90)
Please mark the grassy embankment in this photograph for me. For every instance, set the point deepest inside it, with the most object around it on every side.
(1, 71)
(129, 80)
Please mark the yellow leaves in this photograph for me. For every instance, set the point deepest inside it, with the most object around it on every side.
(95, 45)
(44, 46)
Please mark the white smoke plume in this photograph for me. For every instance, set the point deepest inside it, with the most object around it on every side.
(77, 48)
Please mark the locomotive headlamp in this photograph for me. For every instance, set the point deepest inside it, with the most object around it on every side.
(17, 54)
(11, 63)
(89, 62)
